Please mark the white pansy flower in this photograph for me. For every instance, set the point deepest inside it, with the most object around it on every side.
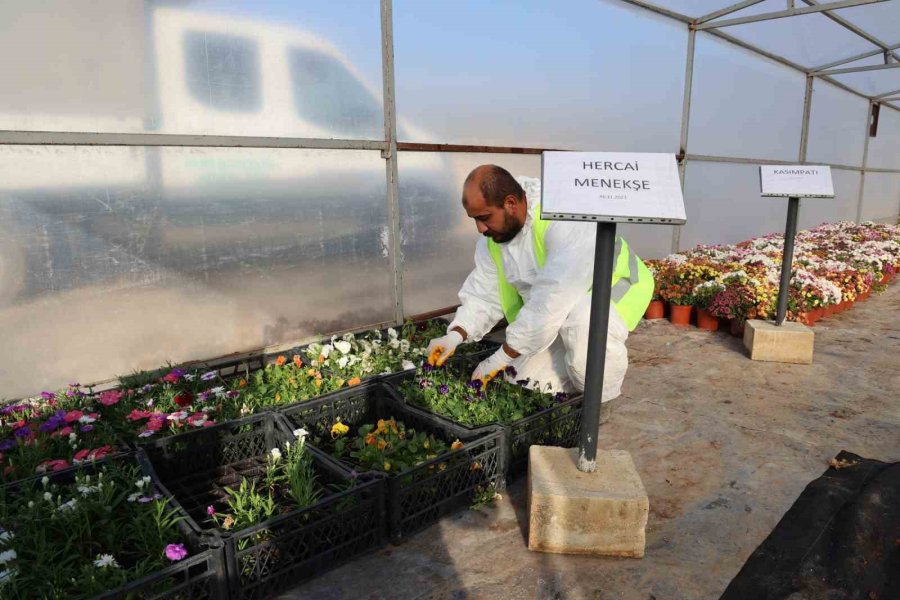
(326, 350)
(70, 505)
(349, 337)
(343, 347)
(300, 433)
(407, 365)
(218, 390)
(342, 362)
(86, 419)
(276, 454)
(404, 345)
(7, 556)
(394, 343)
(106, 560)
(133, 497)
(5, 536)
(392, 333)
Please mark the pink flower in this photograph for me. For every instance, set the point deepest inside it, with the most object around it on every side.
(98, 453)
(52, 465)
(176, 552)
(73, 415)
(65, 431)
(80, 455)
(210, 510)
(137, 415)
(110, 397)
(173, 376)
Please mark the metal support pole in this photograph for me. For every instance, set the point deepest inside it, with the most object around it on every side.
(390, 156)
(790, 230)
(596, 355)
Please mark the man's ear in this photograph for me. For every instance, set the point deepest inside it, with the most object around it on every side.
(510, 202)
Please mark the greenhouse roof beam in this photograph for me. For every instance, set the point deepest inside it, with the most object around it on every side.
(791, 12)
(858, 69)
(885, 96)
(855, 58)
(70, 138)
(727, 10)
(857, 30)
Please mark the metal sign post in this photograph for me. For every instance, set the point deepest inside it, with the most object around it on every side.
(790, 232)
(606, 188)
(596, 355)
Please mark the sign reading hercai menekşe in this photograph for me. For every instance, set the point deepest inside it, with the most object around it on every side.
(622, 187)
(797, 181)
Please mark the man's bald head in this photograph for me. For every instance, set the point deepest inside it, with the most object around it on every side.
(496, 202)
(494, 183)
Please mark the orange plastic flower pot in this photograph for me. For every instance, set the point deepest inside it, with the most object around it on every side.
(656, 310)
(706, 321)
(680, 315)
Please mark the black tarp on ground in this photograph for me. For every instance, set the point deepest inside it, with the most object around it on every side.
(839, 541)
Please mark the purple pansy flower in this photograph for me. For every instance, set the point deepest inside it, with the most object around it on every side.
(22, 432)
(87, 428)
(511, 371)
(210, 510)
(444, 388)
(208, 376)
(7, 444)
(48, 395)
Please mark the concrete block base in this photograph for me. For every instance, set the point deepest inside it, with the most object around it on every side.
(602, 513)
(789, 343)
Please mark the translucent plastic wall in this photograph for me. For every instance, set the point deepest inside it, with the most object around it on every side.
(230, 183)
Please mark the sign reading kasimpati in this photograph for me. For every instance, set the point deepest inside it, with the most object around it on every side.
(624, 187)
(798, 181)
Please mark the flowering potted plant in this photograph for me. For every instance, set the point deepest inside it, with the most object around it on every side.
(704, 293)
(63, 430)
(85, 533)
(530, 415)
(283, 511)
(431, 466)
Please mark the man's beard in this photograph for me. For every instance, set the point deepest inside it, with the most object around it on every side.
(511, 228)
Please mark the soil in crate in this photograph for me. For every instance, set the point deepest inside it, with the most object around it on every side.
(528, 416)
(279, 542)
(468, 471)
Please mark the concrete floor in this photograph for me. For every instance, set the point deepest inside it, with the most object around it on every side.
(724, 446)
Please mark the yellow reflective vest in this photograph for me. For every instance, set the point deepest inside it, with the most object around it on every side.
(632, 281)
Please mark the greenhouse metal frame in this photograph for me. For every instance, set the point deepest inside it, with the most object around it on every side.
(713, 24)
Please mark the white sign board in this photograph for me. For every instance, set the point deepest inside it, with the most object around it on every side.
(618, 187)
(796, 181)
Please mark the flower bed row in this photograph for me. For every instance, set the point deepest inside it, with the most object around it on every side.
(834, 265)
(63, 429)
(271, 517)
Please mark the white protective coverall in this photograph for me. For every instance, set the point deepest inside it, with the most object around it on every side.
(551, 330)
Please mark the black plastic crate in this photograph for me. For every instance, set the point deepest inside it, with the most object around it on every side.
(419, 496)
(200, 576)
(558, 425)
(285, 550)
